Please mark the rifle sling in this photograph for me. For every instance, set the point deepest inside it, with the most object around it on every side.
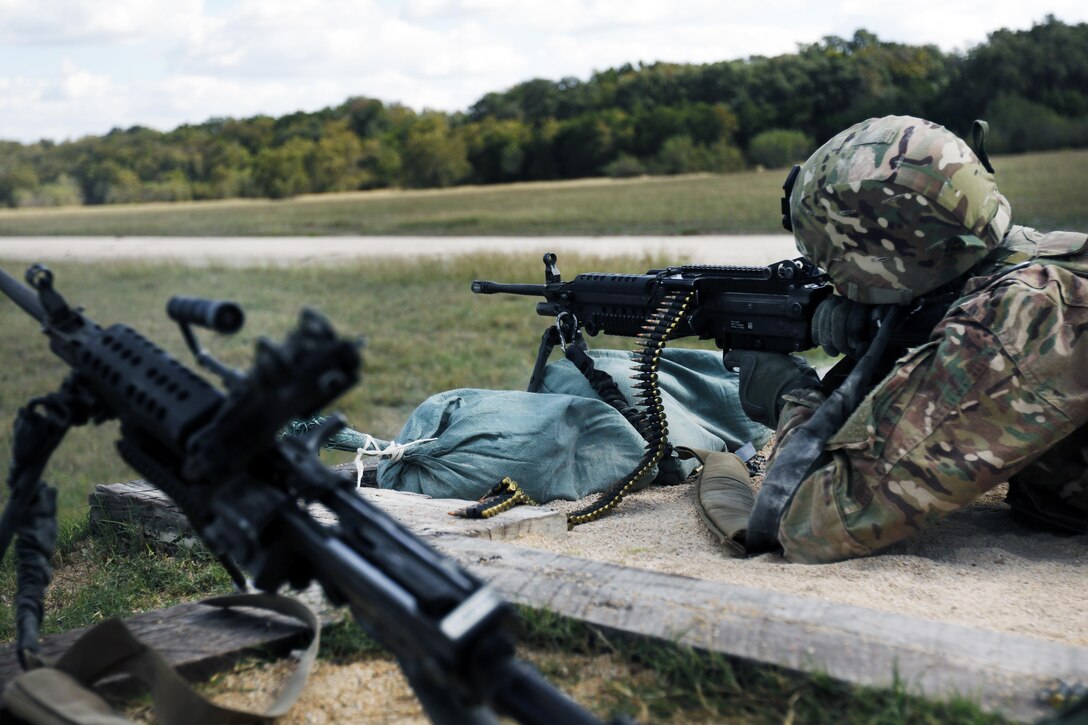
(59, 693)
(601, 382)
(794, 461)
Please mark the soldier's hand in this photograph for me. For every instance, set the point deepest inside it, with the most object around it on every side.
(843, 327)
(765, 377)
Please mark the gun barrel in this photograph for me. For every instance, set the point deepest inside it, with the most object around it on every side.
(22, 295)
(484, 287)
(220, 315)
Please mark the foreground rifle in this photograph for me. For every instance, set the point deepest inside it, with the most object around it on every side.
(246, 490)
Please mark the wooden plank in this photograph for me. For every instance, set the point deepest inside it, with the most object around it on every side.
(140, 504)
(195, 638)
(856, 645)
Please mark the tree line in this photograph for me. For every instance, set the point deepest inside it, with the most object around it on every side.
(660, 118)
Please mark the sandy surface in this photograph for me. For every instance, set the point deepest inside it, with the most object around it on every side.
(977, 568)
(744, 249)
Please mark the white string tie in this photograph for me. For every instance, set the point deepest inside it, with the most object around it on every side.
(392, 452)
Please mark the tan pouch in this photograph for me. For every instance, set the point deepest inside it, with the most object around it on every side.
(47, 696)
(723, 495)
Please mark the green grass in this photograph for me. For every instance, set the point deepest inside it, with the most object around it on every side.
(114, 572)
(677, 205)
(1046, 190)
(676, 683)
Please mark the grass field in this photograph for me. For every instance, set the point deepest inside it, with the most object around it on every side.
(1047, 191)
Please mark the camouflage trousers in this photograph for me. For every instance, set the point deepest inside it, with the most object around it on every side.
(999, 393)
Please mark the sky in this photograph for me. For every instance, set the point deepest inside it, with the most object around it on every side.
(69, 68)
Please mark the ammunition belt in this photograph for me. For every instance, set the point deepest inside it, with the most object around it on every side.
(505, 495)
(650, 422)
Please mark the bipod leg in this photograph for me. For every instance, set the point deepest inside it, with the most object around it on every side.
(30, 514)
(548, 341)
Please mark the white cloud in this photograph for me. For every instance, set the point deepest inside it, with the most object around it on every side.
(165, 62)
(34, 22)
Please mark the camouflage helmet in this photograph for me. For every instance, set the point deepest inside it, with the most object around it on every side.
(894, 207)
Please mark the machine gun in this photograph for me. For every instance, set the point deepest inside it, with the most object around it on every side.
(246, 492)
(770, 308)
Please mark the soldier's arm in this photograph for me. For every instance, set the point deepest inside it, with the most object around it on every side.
(1001, 382)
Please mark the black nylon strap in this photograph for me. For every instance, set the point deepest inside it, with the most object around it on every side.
(795, 460)
(979, 130)
(601, 382)
(110, 648)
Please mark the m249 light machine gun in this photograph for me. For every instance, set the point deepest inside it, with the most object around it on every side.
(774, 308)
(246, 491)
(782, 307)
(751, 308)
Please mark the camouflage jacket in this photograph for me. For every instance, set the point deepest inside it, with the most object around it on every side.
(999, 393)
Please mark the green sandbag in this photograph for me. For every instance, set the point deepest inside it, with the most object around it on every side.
(554, 446)
(700, 396)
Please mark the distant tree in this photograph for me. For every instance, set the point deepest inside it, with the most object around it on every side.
(62, 192)
(280, 172)
(171, 187)
(227, 171)
(681, 155)
(365, 116)
(584, 145)
(379, 164)
(496, 149)
(432, 156)
(777, 148)
(120, 185)
(625, 166)
(254, 134)
(333, 163)
(1018, 125)
(15, 179)
(1046, 65)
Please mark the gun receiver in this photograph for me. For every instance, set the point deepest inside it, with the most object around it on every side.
(246, 490)
(751, 308)
(767, 308)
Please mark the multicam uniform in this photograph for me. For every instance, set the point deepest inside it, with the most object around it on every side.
(1003, 380)
(1000, 393)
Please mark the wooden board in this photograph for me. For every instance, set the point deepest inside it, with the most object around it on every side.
(195, 638)
(140, 504)
(856, 645)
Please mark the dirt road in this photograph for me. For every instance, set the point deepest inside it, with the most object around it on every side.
(244, 251)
